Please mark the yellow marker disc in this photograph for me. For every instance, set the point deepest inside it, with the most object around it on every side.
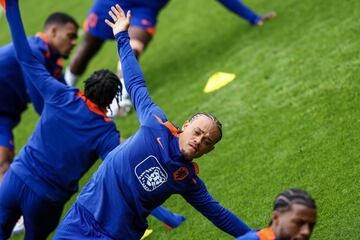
(146, 234)
(218, 80)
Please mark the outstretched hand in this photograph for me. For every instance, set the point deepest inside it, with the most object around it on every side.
(121, 21)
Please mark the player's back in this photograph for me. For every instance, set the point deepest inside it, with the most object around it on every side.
(67, 140)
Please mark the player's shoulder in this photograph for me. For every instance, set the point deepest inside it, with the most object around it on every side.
(37, 42)
(166, 125)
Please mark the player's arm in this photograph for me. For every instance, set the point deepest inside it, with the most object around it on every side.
(35, 97)
(201, 200)
(240, 9)
(31, 67)
(133, 76)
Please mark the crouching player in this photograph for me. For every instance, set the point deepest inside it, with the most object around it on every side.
(293, 218)
(71, 134)
(153, 164)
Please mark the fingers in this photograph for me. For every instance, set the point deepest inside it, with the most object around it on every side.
(117, 14)
(110, 24)
(119, 9)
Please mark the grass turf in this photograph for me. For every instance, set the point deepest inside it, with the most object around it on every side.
(291, 117)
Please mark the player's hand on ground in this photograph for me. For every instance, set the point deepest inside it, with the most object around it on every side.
(268, 16)
(121, 21)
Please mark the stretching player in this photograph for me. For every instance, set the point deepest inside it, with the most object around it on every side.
(56, 42)
(293, 218)
(71, 134)
(153, 164)
(141, 31)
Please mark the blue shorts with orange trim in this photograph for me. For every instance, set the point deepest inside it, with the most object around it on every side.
(142, 17)
(7, 124)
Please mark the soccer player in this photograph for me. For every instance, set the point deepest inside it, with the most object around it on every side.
(153, 164)
(141, 31)
(71, 134)
(49, 47)
(293, 218)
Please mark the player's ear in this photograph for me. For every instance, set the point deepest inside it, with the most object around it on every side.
(53, 31)
(275, 218)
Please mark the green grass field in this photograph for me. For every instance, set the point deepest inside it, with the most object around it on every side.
(291, 117)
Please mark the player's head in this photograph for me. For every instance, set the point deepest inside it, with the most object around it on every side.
(294, 215)
(61, 30)
(102, 87)
(199, 135)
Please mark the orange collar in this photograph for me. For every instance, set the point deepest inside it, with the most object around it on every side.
(46, 40)
(92, 106)
(266, 234)
(3, 3)
(175, 131)
(43, 37)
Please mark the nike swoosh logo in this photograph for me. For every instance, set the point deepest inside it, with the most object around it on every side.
(158, 139)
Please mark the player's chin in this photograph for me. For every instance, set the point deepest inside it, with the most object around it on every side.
(187, 155)
(195, 154)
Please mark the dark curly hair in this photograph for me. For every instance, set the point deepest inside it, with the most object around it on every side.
(291, 196)
(102, 87)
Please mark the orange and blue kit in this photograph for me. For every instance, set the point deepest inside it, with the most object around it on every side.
(140, 174)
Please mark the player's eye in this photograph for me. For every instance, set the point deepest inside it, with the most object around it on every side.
(197, 132)
(299, 222)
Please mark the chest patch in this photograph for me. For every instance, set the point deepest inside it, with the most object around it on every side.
(150, 173)
(181, 174)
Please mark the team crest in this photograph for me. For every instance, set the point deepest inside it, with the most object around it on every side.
(150, 173)
(181, 174)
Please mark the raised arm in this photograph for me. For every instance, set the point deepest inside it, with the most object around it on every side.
(240, 9)
(222, 218)
(133, 76)
(32, 68)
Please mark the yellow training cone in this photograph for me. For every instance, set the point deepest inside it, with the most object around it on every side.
(218, 80)
(146, 234)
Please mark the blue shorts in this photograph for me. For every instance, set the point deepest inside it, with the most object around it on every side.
(80, 224)
(16, 198)
(7, 124)
(143, 17)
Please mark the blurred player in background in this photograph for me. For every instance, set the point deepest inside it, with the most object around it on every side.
(293, 218)
(71, 134)
(153, 164)
(16, 90)
(141, 31)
